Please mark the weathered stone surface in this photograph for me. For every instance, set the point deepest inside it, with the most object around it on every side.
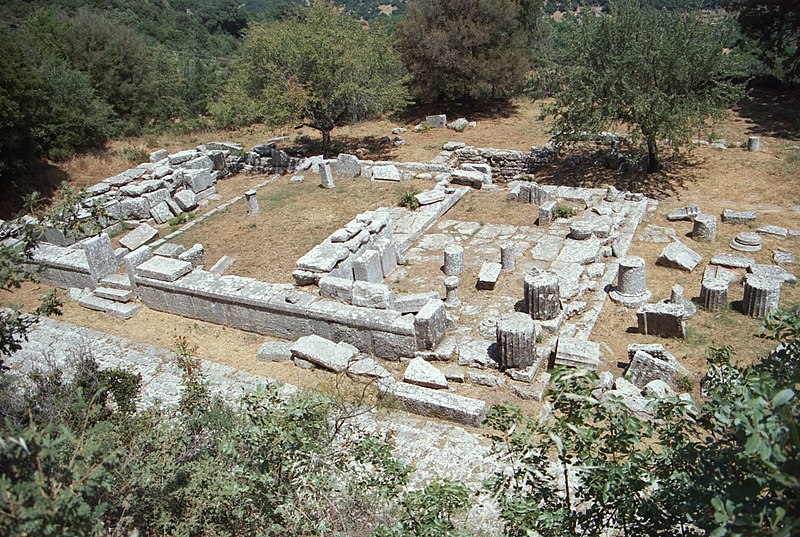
(772, 272)
(485, 379)
(252, 203)
(340, 289)
(326, 176)
(714, 293)
(220, 267)
(170, 249)
(541, 295)
(573, 352)
(185, 199)
(583, 252)
(762, 295)
(139, 237)
(414, 302)
(746, 241)
(730, 216)
(684, 213)
(323, 257)
(516, 339)
(182, 156)
(161, 213)
(372, 295)
(386, 173)
(679, 256)
(645, 368)
(783, 257)
(198, 180)
(508, 256)
(430, 196)
(117, 309)
(469, 178)
(631, 288)
(581, 229)
(437, 122)
(547, 248)
(665, 320)
(117, 281)
(421, 373)
(136, 208)
(367, 367)
(134, 259)
(435, 403)
(274, 351)
(117, 295)
(161, 154)
(323, 353)
(488, 276)
(430, 324)
(704, 227)
(164, 269)
(387, 250)
(732, 261)
(100, 256)
(453, 260)
(367, 267)
(196, 255)
(347, 166)
(451, 284)
(775, 231)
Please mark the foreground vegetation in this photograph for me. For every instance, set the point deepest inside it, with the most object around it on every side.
(80, 455)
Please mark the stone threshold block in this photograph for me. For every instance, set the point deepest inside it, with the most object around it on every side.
(434, 403)
(164, 269)
(573, 352)
(117, 295)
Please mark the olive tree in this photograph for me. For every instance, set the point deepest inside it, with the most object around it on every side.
(319, 69)
(660, 74)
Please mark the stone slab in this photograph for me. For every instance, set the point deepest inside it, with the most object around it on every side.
(139, 237)
(679, 256)
(435, 403)
(421, 373)
(117, 309)
(164, 269)
(322, 352)
(488, 276)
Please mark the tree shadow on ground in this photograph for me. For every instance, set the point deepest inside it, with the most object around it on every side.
(477, 111)
(587, 174)
(366, 147)
(41, 177)
(773, 111)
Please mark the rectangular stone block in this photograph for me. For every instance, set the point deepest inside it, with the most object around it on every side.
(367, 267)
(340, 289)
(322, 352)
(665, 320)
(387, 249)
(430, 324)
(434, 403)
(372, 295)
(139, 237)
(100, 256)
(573, 352)
(117, 295)
(488, 276)
(413, 303)
(164, 269)
(198, 180)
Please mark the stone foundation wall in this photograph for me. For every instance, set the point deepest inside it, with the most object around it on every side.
(279, 310)
(63, 267)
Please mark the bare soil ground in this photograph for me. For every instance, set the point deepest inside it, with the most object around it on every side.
(296, 217)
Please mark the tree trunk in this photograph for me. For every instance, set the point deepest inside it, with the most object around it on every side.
(652, 156)
(326, 143)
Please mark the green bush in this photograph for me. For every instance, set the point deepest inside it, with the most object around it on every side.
(564, 211)
(409, 199)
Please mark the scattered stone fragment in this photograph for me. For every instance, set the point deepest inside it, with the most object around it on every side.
(430, 325)
(220, 267)
(437, 122)
(163, 269)
(573, 352)
(705, 227)
(372, 295)
(684, 213)
(185, 199)
(733, 261)
(139, 237)
(429, 197)
(783, 257)
(170, 249)
(274, 351)
(347, 166)
(434, 403)
(773, 271)
(488, 276)
(485, 379)
(645, 368)
(665, 320)
(252, 203)
(677, 297)
(746, 241)
(326, 176)
(196, 255)
(117, 295)
(729, 216)
(117, 309)
(422, 373)
(322, 352)
(367, 367)
(386, 173)
(775, 231)
(679, 256)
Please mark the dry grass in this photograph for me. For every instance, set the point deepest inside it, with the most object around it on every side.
(296, 217)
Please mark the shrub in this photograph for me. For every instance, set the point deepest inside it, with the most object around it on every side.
(409, 199)
(564, 211)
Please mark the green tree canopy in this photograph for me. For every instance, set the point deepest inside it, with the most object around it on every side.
(657, 73)
(319, 69)
(466, 49)
(775, 24)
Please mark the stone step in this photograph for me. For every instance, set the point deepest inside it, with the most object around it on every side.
(117, 295)
(117, 309)
(117, 281)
